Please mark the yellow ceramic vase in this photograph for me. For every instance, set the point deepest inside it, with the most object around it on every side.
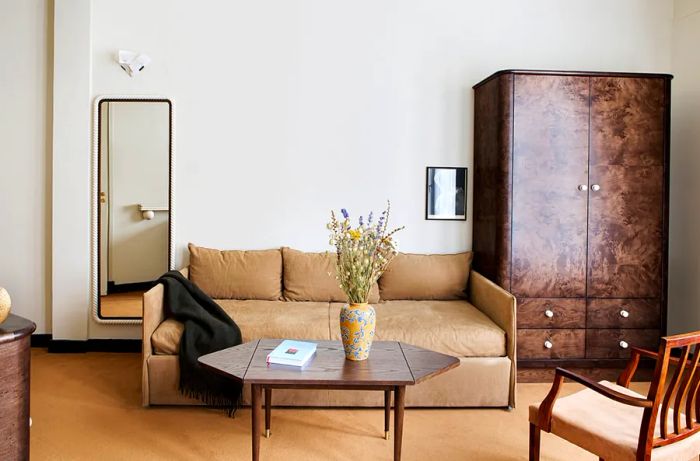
(357, 325)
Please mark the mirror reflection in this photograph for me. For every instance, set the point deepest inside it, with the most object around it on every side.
(134, 202)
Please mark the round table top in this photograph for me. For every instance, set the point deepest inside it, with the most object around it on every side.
(15, 327)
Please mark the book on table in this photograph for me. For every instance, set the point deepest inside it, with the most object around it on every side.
(296, 353)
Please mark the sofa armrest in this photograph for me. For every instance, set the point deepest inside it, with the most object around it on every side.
(153, 315)
(500, 306)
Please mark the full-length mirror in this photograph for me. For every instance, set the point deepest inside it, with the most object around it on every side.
(133, 196)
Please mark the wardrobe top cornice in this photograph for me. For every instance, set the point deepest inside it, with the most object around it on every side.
(572, 73)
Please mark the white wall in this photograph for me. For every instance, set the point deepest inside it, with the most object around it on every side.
(25, 155)
(287, 109)
(71, 170)
(684, 270)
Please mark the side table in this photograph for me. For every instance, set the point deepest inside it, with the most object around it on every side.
(15, 335)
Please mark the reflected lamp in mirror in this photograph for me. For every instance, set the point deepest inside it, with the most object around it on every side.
(446, 194)
(133, 229)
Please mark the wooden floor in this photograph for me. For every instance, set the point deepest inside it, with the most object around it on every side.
(122, 304)
(88, 407)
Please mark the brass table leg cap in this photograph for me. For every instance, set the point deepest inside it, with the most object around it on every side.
(386, 435)
(267, 433)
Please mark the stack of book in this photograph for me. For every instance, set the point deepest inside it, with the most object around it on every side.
(295, 353)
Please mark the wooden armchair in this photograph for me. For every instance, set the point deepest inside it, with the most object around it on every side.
(616, 423)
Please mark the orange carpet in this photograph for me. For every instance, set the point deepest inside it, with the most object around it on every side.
(87, 407)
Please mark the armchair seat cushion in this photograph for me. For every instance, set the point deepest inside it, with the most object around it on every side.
(608, 428)
(455, 328)
(257, 320)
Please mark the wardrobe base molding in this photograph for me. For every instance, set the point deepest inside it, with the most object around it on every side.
(575, 363)
(546, 374)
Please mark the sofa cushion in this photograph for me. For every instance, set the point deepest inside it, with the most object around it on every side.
(414, 276)
(235, 274)
(311, 277)
(452, 327)
(257, 320)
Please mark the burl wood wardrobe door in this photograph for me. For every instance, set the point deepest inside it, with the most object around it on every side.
(550, 163)
(625, 248)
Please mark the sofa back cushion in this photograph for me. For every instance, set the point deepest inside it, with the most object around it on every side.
(423, 277)
(311, 277)
(235, 274)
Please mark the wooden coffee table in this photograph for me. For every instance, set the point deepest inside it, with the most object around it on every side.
(391, 367)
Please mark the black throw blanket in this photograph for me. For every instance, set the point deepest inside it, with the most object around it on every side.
(207, 329)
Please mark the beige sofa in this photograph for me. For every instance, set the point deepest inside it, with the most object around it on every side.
(431, 301)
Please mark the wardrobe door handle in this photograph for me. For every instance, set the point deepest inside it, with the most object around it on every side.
(595, 187)
(582, 187)
(548, 344)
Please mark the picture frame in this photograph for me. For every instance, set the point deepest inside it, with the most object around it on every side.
(446, 193)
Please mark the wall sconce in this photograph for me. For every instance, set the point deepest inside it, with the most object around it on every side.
(132, 62)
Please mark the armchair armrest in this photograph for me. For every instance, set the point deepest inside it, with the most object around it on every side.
(500, 306)
(635, 355)
(544, 416)
(646, 353)
(604, 390)
(655, 355)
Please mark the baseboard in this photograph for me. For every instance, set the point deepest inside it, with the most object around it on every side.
(90, 345)
(67, 346)
(40, 340)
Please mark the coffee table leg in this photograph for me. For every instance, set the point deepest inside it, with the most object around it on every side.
(268, 411)
(387, 412)
(256, 409)
(399, 393)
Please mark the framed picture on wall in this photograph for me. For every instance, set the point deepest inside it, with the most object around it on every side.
(446, 193)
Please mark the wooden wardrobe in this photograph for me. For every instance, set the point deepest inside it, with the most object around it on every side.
(571, 209)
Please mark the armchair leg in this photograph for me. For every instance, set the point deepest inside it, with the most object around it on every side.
(534, 442)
